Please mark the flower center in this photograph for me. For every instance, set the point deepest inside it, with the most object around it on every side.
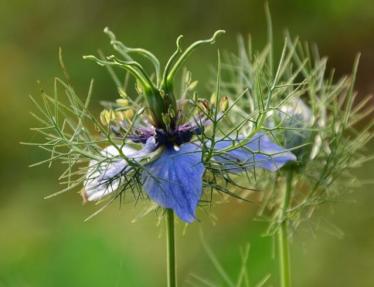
(169, 138)
(173, 138)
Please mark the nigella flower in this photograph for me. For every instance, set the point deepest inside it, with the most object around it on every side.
(173, 157)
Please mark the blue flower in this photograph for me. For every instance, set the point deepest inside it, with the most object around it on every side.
(172, 162)
(175, 178)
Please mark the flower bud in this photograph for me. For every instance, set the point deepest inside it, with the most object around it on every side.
(297, 118)
(224, 104)
(294, 120)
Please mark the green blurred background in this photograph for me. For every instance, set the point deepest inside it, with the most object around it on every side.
(46, 242)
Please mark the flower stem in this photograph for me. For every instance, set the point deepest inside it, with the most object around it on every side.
(282, 235)
(170, 249)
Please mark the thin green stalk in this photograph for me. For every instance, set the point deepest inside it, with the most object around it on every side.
(170, 249)
(282, 235)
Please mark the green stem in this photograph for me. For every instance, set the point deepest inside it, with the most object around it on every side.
(170, 249)
(282, 235)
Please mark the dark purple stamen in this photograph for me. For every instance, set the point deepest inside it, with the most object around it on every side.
(182, 134)
(172, 138)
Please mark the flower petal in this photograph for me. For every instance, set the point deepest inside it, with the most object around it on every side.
(103, 178)
(95, 186)
(259, 152)
(175, 180)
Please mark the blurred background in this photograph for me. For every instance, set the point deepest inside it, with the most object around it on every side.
(46, 242)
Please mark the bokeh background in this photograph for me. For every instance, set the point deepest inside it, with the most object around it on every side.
(46, 242)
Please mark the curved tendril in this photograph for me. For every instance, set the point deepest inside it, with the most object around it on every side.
(117, 45)
(170, 75)
(151, 93)
(133, 67)
(125, 51)
(171, 59)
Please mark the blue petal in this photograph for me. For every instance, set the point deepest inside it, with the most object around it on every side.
(175, 180)
(104, 178)
(120, 165)
(259, 152)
